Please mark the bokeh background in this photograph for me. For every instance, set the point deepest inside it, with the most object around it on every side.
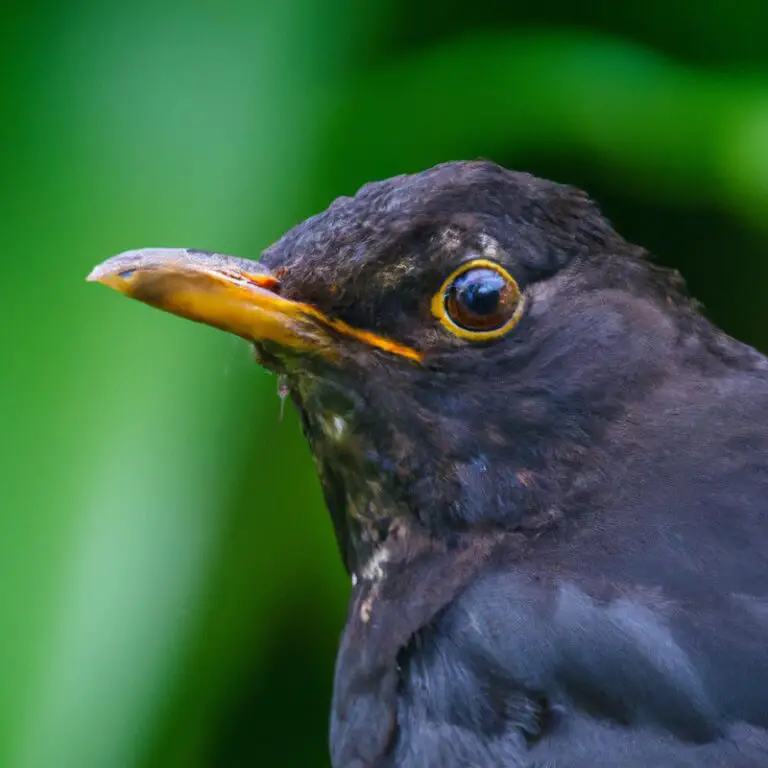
(170, 593)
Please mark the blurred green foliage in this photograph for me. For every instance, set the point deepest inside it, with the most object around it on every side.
(170, 593)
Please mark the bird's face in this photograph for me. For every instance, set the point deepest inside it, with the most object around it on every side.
(446, 337)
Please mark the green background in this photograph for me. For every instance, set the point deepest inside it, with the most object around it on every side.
(170, 593)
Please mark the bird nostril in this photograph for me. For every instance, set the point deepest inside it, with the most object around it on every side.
(127, 274)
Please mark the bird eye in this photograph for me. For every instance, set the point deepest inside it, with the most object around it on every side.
(479, 301)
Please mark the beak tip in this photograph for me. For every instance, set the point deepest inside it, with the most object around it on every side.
(113, 272)
(122, 266)
(102, 273)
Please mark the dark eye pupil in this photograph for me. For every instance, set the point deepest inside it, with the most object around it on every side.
(480, 291)
(481, 299)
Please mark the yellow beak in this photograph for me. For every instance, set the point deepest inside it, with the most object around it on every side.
(236, 295)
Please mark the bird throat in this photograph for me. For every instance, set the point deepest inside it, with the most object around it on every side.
(364, 489)
(381, 463)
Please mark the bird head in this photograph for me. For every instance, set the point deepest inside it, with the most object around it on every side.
(458, 343)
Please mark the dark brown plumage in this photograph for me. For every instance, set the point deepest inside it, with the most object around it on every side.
(554, 508)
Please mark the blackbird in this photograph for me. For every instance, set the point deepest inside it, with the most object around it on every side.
(546, 470)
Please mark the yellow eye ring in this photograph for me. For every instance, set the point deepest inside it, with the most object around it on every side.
(479, 301)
